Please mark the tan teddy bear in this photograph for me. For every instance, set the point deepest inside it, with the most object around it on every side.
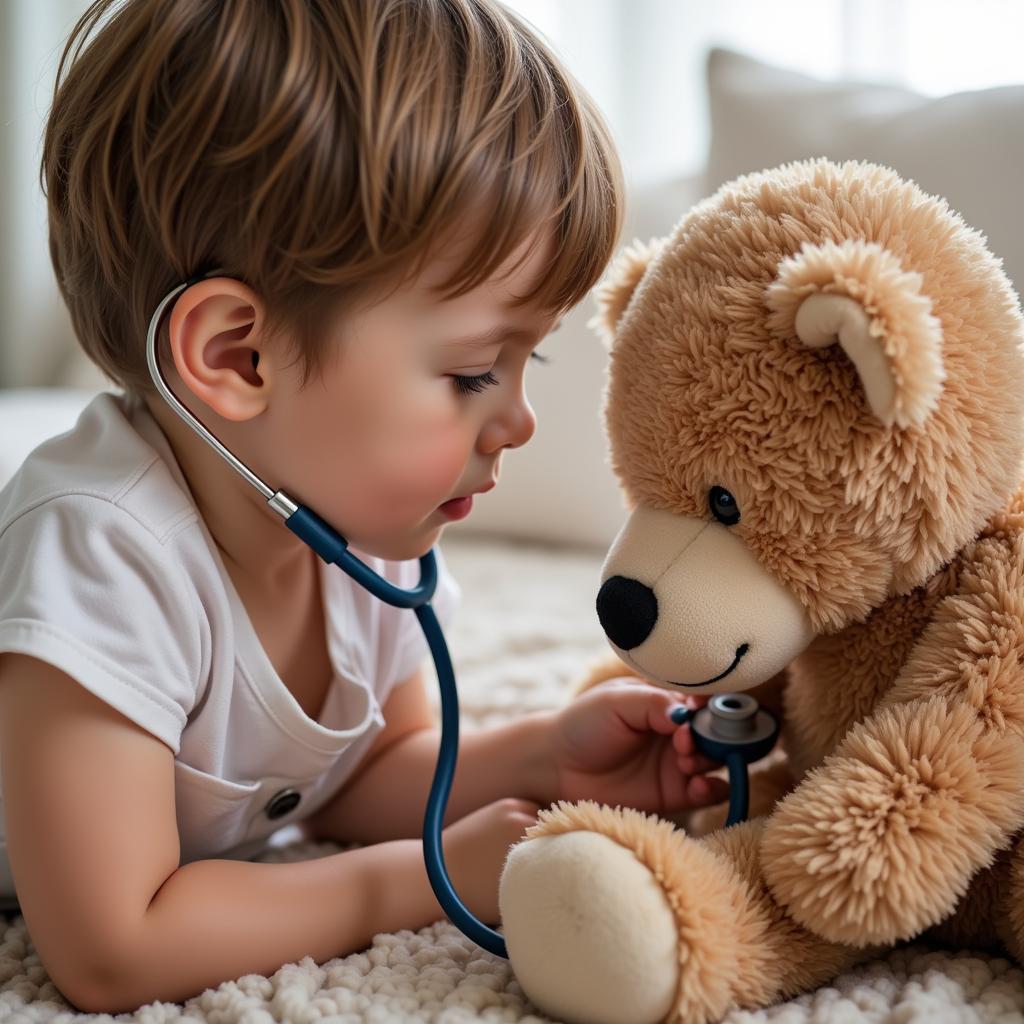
(814, 410)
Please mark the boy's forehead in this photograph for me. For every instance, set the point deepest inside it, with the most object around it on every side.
(518, 272)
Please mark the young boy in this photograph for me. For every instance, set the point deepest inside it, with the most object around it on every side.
(404, 198)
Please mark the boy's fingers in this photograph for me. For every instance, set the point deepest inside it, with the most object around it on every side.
(659, 715)
(697, 764)
(682, 740)
(706, 789)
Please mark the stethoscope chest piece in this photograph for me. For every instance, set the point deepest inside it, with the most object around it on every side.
(731, 723)
(734, 729)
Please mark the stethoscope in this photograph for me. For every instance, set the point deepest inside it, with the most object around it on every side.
(730, 728)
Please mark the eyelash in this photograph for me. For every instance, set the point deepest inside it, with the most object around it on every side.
(469, 385)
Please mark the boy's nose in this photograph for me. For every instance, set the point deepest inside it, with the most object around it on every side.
(524, 425)
(511, 427)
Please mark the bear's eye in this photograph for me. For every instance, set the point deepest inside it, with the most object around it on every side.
(723, 506)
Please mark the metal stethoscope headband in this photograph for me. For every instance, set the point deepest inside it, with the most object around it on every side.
(333, 549)
(731, 728)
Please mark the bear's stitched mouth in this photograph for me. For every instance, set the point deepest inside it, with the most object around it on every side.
(740, 651)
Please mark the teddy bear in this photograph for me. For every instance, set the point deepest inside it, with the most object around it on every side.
(813, 408)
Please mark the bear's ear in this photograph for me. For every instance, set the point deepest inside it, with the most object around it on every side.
(616, 288)
(857, 293)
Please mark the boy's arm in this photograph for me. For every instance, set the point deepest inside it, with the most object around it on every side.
(387, 796)
(89, 804)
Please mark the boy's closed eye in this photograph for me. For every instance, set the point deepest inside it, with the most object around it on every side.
(466, 385)
(474, 384)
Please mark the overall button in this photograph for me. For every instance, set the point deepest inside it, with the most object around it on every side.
(281, 803)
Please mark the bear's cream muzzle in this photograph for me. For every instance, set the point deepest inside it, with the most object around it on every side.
(686, 603)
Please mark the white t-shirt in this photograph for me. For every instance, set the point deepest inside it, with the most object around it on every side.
(107, 570)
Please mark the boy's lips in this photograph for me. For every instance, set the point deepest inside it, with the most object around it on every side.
(459, 508)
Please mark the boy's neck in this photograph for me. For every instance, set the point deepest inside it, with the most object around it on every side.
(257, 548)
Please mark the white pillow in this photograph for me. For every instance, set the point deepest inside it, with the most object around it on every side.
(967, 147)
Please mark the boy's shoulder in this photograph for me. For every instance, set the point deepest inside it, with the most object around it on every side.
(116, 455)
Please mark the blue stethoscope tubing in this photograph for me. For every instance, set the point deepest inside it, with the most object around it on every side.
(333, 549)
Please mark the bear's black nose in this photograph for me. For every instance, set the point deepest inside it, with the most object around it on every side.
(628, 611)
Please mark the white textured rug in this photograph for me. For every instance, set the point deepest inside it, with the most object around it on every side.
(526, 626)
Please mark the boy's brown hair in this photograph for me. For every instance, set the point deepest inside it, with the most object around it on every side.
(316, 150)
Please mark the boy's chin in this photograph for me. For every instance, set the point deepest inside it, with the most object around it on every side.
(403, 548)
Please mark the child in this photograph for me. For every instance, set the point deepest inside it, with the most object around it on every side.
(404, 198)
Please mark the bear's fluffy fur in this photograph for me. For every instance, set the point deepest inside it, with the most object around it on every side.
(879, 477)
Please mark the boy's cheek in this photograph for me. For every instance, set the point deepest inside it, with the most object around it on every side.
(401, 487)
(429, 467)
(426, 483)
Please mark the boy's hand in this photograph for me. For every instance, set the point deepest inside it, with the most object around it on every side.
(475, 848)
(616, 744)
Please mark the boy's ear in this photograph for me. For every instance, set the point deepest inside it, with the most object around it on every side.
(616, 288)
(216, 347)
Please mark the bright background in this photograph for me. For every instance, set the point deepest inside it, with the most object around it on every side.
(930, 87)
(643, 60)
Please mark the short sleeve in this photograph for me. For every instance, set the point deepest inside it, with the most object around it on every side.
(89, 589)
(404, 647)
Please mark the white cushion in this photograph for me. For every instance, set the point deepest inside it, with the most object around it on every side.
(967, 147)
